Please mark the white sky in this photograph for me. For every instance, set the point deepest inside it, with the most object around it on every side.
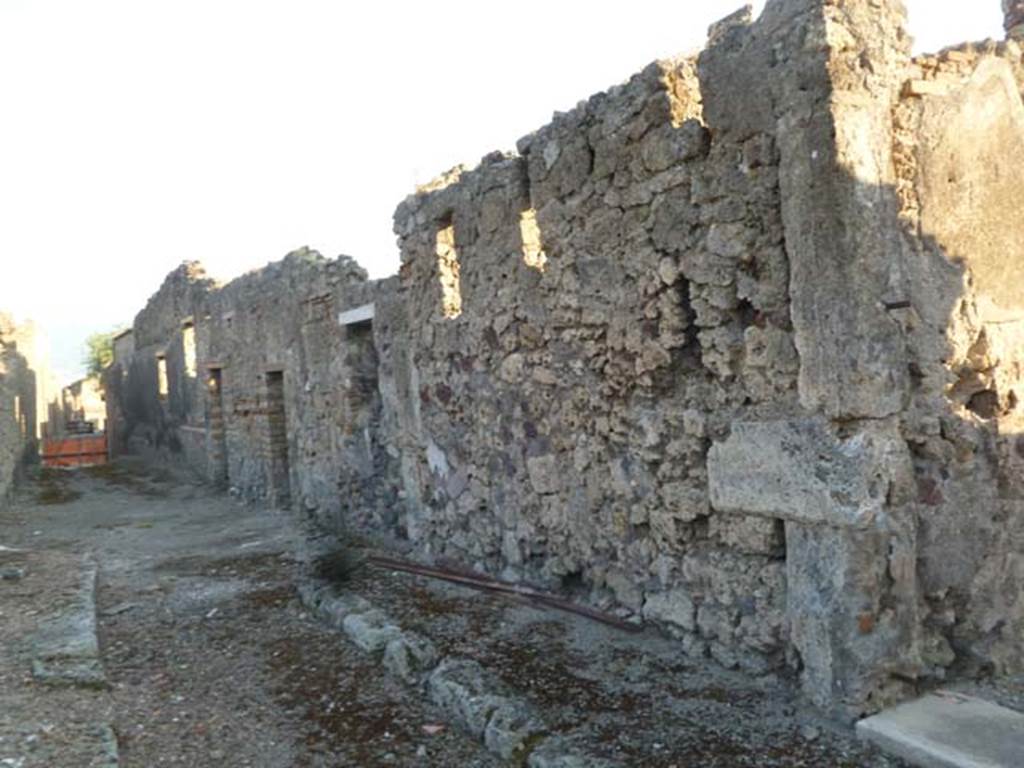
(136, 134)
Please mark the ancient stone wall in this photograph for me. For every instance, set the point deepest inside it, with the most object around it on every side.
(112, 384)
(154, 404)
(960, 117)
(284, 381)
(82, 400)
(22, 398)
(732, 348)
(560, 422)
(249, 384)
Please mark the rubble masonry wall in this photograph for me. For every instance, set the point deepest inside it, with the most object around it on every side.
(19, 400)
(733, 348)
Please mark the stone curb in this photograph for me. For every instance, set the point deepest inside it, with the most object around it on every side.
(108, 746)
(471, 696)
(92, 744)
(65, 649)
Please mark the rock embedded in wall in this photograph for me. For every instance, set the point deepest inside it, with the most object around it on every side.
(762, 468)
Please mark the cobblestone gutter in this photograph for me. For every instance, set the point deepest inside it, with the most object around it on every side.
(474, 699)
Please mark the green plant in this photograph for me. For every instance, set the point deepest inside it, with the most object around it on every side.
(99, 352)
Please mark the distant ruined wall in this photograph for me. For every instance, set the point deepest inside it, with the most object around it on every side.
(154, 404)
(82, 400)
(276, 334)
(22, 369)
(734, 348)
(249, 385)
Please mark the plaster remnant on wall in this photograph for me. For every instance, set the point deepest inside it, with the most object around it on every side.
(437, 460)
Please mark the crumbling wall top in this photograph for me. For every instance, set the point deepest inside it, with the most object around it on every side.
(1013, 11)
(181, 291)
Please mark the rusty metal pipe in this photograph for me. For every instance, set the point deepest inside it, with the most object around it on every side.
(487, 583)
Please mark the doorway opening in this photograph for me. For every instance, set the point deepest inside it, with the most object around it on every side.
(277, 441)
(218, 434)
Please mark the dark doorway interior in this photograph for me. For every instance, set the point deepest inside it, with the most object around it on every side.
(277, 440)
(217, 430)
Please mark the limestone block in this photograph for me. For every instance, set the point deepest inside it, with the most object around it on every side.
(853, 616)
(750, 534)
(545, 474)
(683, 501)
(950, 730)
(666, 146)
(510, 728)
(65, 648)
(371, 631)
(459, 687)
(410, 657)
(333, 609)
(925, 87)
(717, 623)
(558, 752)
(802, 470)
(674, 608)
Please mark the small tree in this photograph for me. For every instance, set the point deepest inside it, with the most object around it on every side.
(99, 352)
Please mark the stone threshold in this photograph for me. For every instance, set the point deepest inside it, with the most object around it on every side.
(949, 730)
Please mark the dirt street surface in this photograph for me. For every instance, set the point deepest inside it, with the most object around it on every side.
(208, 658)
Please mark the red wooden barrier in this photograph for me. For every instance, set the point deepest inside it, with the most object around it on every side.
(79, 451)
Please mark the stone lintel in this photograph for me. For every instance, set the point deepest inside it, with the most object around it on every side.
(357, 315)
(802, 470)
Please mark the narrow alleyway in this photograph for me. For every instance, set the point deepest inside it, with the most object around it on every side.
(210, 658)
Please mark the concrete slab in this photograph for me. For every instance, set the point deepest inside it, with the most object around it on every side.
(949, 730)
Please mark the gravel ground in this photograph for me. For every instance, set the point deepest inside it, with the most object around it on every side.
(634, 699)
(213, 661)
(1006, 692)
